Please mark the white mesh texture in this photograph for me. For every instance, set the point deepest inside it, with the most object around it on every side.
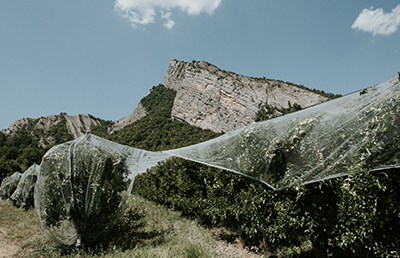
(360, 131)
(23, 195)
(9, 185)
(346, 135)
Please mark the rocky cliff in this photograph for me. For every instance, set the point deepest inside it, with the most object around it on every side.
(221, 101)
(206, 97)
(138, 113)
(76, 126)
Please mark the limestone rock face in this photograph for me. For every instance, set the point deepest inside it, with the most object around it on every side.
(76, 126)
(222, 101)
(80, 124)
(139, 112)
(206, 97)
(16, 125)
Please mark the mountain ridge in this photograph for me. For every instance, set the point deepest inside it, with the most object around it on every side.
(76, 126)
(198, 103)
(207, 97)
(221, 101)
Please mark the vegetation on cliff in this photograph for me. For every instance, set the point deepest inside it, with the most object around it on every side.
(18, 152)
(21, 149)
(355, 216)
(157, 130)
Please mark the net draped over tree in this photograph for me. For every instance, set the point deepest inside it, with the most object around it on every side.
(9, 185)
(81, 182)
(24, 194)
(354, 133)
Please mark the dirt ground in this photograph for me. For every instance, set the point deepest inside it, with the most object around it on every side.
(7, 247)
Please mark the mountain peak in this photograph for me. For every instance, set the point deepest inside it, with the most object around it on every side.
(221, 101)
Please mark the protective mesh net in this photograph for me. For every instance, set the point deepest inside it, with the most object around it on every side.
(23, 195)
(9, 185)
(350, 134)
(80, 186)
(80, 189)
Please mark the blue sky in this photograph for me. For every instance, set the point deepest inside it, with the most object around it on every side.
(100, 57)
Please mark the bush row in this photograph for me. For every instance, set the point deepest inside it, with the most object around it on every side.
(354, 216)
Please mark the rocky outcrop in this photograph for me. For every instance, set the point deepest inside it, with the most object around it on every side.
(221, 101)
(139, 112)
(17, 125)
(79, 125)
(45, 123)
(206, 97)
(76, 126)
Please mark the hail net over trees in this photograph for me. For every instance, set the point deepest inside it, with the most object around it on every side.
(81, 187)
(9, 185)
(23, 194)
(81, 182)
(357, 132)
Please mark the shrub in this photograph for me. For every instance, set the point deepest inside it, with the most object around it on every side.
(347, 217)
(9, 185)
(80, 192)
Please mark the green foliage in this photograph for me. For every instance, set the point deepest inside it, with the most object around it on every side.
(7, 166)
(221, 198)
(24, 147)
(364, 91)
(9, 184)
(102, 129)
(18, 152)
(353, 216)
(267, 111)
(369, 214)
(21, 149)
(157, 131)
(191, 188)
(23, 194)
(159, 101)
(79, 194)
(328, 95)
(60, 132)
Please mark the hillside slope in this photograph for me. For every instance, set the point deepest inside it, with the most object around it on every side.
(221, 101)
(206, 99)
(76, 126)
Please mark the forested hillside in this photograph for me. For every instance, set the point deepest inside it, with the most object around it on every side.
(155, 131)
(27, 139)
(356, 215)
(22, 149)
(353, 216)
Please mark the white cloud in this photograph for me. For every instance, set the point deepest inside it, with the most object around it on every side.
(169, 24)
(377, 21)
(143, 11)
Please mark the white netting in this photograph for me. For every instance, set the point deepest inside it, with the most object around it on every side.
(9, 185)
(81, 185)
(350, 134)
(353, 133)
(23, 195)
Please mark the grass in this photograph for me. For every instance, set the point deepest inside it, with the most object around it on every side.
(17, 228)
(145, 230)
